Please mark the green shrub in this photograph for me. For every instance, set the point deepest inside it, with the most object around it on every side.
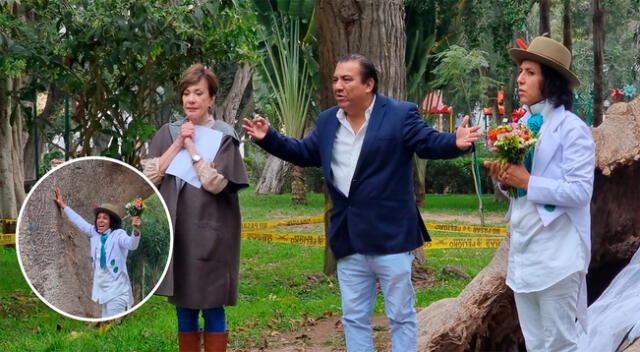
(454, 176)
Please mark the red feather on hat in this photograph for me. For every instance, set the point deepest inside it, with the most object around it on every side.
(522, 44)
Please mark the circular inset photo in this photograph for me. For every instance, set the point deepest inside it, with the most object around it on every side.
(94, 239)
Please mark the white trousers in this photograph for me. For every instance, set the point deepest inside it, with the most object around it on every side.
(548, 317)
(115, 306)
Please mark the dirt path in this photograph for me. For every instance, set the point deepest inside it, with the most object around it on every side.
(323, 335)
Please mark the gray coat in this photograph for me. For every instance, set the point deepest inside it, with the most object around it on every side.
(204, 268)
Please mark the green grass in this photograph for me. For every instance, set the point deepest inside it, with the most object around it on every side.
(280, 286)
(463, 203)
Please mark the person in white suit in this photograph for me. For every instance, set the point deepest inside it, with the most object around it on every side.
(550, 222)
(109, 248)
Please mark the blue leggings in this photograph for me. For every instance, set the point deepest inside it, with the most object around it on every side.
(214, 319)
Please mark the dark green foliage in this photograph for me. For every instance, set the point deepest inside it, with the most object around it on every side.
(153, 250)
(454, 176)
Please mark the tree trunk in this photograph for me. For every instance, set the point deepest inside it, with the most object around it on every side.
(545, 24)
(566, 25)
(228, 110)
(12, 141)
(330, 263)
(373, 28)
(419, 176)
(298, 191)
(55, 98)
(273, 176)
(483, 316)
(55, 254)
(598, 62)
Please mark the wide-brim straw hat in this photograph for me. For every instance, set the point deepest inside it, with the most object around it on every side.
(548, 52)
(109, 209)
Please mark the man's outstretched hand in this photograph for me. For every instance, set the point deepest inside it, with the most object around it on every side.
(256, 128)
(465, 136)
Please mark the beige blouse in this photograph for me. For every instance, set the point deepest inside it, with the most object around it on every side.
(211, 180)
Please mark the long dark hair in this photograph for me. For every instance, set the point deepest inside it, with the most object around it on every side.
(114, 223)
(556, 88)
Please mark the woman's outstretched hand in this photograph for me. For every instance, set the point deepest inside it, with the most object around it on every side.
(58, 199)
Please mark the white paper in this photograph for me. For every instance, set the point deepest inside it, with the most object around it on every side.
(207, 143)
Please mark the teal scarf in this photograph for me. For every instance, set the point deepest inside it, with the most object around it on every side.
(103, 252)
(534, 123)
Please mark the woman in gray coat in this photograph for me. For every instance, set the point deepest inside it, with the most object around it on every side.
(203, 274)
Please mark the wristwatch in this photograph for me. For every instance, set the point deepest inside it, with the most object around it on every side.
(195, 158)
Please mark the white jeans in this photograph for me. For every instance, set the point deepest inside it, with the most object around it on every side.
(548, 317)
(115, 306)
(357, 275)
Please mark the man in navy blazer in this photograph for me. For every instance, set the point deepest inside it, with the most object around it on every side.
(365, 146)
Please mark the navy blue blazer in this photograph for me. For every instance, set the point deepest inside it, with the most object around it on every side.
(379, 215)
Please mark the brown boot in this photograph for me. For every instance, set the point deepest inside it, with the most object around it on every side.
(189, 341)
(215, 341)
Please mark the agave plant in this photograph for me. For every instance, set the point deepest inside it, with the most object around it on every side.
(290, 80)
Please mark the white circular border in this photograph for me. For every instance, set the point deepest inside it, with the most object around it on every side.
(166, 267)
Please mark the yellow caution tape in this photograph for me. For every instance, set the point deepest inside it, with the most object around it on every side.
(270, 225)
(478, 230)
(319, 240)
(438, 242)
(289, 238)
(7, 238)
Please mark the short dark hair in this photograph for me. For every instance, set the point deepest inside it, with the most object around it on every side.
(556, 88)
(193, 75)
(367, 68)
(114, 222)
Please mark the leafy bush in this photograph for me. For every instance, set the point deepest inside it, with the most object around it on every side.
(454, 176)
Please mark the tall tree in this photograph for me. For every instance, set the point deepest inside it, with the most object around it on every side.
(566, 25)
(12, 116)
(373, 28)
(598, 61)
(545, 23)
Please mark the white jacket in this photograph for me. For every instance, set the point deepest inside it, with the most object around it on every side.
(117, 247)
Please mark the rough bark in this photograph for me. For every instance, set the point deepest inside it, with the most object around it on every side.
(373, 28)
(12, 141)
(545, 24)
(566, 25)
(615, 232)
(483, 316)
(228, 110)
(273, 176)
(54, 254)
(598, 62)
(419, 176)
(330, 266)
(298, 190)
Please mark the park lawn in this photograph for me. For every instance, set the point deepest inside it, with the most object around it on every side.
(281, 287)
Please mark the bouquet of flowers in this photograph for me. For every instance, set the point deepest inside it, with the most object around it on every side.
(512, 142)
(135, 207)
